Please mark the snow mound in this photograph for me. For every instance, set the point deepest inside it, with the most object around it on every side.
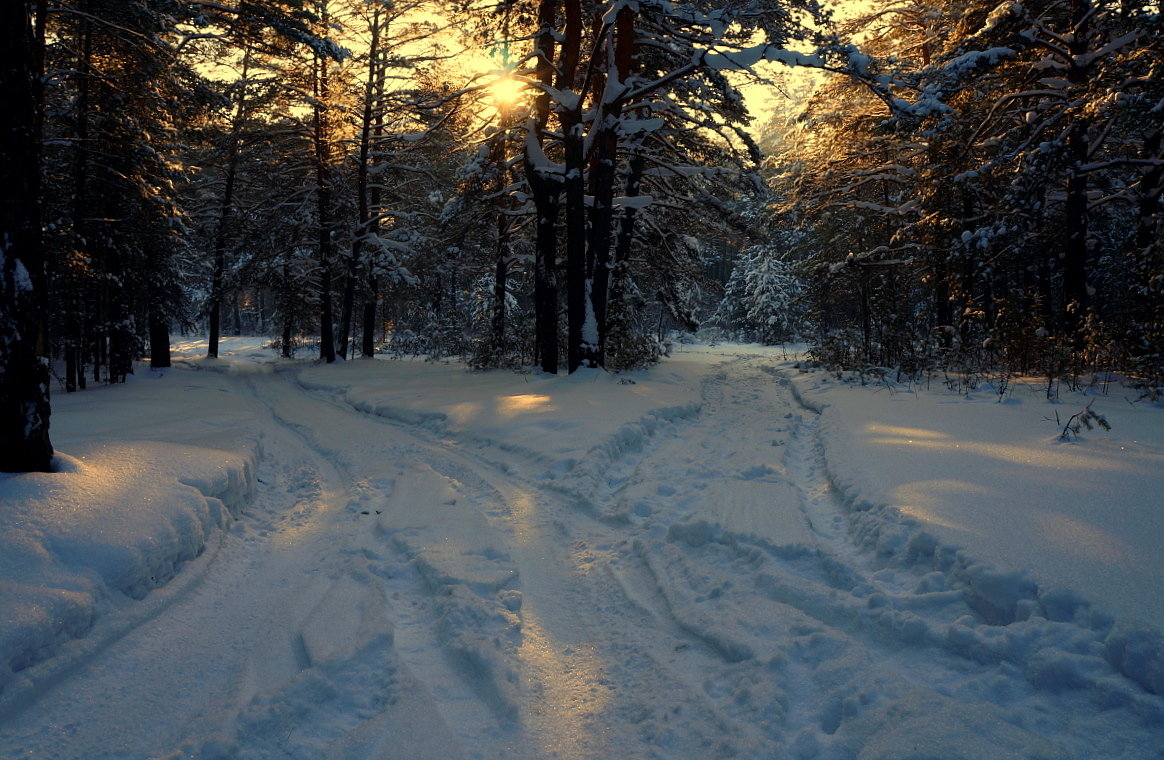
(113, 523)
(1082, 528)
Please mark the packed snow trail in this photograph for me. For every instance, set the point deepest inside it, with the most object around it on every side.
(258, 616)
(689, 589)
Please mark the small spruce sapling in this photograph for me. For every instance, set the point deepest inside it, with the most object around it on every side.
(1086, 417)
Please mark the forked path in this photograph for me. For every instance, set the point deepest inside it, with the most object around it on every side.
(394, 593)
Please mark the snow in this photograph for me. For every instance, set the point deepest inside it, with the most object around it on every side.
(21, 278)
(746, 58)
(632, 201)
(966, 64)
(723, 556)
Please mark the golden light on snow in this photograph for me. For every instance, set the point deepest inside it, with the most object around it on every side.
(924, 500)
(524, 403)
(464, 413)
(1078, 537)
(523, 507)
(569, 693)
(1031, 455)
(908, 434)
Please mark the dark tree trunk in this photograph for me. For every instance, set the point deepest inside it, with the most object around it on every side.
(367, 199)
(326, 334)
(159, 339)
(547, 202)
(368, 331)
(214, 307)
(620, 270)
(225, 212)
(287, 348)
(24, 371)
(547, 190)
(1075, 297)
(500, 284)
(1151, 188)
(323, 196)
(574, 186)
(576, 295)
(76, 325)
(602, 175)
(287, 297)
(122, 335)
(347, 307)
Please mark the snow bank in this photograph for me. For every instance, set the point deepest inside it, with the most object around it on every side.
(114, 522)
(1034, 530)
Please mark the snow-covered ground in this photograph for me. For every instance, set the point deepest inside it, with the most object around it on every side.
(720, 557)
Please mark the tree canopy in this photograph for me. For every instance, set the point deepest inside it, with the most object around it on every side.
(560, 183)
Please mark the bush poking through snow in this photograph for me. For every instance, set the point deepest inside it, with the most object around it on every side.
(1086, 417)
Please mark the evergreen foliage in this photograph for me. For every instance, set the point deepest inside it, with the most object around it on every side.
(966, 188)
(987, 192)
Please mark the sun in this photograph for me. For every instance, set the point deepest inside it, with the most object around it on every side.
(506, 91)
(495, 79)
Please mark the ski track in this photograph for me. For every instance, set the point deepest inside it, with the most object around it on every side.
(702, 597)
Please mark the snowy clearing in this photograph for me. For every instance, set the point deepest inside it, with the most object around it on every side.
(720, 557)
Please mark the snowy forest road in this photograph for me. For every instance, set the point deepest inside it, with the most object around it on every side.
(693, 591)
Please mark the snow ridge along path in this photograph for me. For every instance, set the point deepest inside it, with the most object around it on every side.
(651, 566)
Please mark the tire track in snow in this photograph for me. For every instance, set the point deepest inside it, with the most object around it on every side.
(821, 614)
(599, 677)
(564, 703)
(570, 703)
(734, 592)
(430, 711)
(248, 659)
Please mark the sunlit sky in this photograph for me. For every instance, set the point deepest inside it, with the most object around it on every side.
(487, 68)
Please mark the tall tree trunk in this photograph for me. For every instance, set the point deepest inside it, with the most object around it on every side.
(576, 295)
(288, 296)
(500, 285)
(24, 370)
(76, 326)
(498, 346)
(371, 128)
(1151, 189)
(575, 189)
(546, 188)
(602, 175)
(347, 306)
(368, 329)
(618, 317)
(1075, 296)
(368, 198)
(159, 338)
(225, 212)
(323, 196)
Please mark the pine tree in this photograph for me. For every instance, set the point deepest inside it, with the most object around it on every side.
(24, 372)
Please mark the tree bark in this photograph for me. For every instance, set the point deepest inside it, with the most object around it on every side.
(602, 175)
(77, 327)
(323, 196)
(575, 188)
(159, 339)
(500, 285)
(24, 369)
(1075, 296)
(225, 211)
(368, 198)
(347, 308)
(546, 189)
(1151, 188)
